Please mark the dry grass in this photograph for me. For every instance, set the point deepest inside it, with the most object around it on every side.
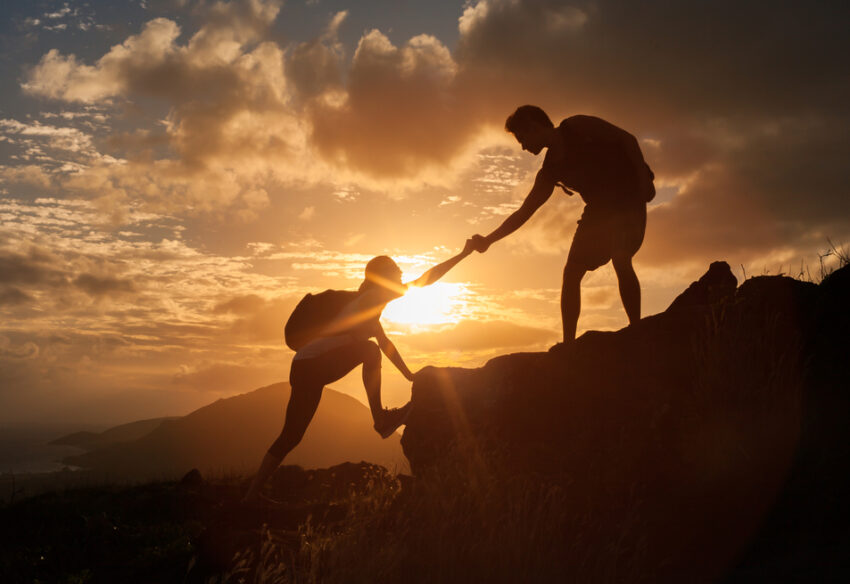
(460, 524)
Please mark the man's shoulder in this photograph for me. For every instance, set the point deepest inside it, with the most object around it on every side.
(582, 123)
(580, 119)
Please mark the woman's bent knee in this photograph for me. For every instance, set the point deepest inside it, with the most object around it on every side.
(369, 352)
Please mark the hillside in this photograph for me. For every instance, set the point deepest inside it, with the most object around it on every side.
(122, 433)
(232, 434)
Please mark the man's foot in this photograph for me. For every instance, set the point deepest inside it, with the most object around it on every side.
(391, 419)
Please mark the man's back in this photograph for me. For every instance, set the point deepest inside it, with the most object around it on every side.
(600, 161)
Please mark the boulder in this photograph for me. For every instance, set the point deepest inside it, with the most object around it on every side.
(716, 285)
(695, 413)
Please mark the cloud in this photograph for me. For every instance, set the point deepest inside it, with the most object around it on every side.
(315, 67)
(722, 96)
(400, 111)
(744, 131)
(12, 351)
(152, 63)
(47, 150)
(228, 129)
(60, 77)
(102, 286)
(248, 304)
(28, 174)
(34, 268)
(70, 269)
(86, 311)
(226, 377)
(257, 319)
(9, 295)
(266, 324)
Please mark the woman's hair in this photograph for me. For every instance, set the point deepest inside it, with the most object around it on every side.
(381, 271)
(525, 115)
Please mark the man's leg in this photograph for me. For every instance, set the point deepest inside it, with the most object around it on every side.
(571, 299)
(629, 287)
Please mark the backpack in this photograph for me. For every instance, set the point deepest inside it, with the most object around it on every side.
(648, 185)
(313, 313)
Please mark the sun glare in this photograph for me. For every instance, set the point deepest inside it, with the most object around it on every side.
(439, 303)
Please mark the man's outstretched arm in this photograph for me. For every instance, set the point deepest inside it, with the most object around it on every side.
(540, 193)
(440, 270)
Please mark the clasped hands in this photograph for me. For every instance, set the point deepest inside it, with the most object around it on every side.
(477, 243)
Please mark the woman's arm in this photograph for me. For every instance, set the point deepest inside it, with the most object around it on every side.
(388, 348)
(440, 270)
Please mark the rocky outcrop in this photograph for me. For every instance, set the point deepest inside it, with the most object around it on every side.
(695, 414)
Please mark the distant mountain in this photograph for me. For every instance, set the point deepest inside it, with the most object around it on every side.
(122, 433)
(231, 436)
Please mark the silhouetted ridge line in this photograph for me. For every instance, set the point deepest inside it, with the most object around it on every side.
(697, 413)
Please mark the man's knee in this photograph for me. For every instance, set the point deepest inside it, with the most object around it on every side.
(573, 272)
(623, 265)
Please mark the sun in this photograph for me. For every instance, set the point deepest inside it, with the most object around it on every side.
(439, 303)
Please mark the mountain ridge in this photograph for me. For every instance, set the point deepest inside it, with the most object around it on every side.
(231, 435)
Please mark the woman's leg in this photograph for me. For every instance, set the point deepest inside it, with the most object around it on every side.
(307, 380)
(303, 402)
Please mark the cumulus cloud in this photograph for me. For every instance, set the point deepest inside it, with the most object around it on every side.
(401, 110)
(715, 89)
(228, 127)
(62, 77)
(740, 120)
(152, 63)
(315, 67)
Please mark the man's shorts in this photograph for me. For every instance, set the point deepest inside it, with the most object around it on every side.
(604, 233)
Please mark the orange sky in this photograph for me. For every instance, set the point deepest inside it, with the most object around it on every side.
(174, 177)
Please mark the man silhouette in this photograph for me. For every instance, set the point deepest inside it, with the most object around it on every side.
(604, 164)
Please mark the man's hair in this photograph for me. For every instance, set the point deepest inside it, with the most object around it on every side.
(525, 115)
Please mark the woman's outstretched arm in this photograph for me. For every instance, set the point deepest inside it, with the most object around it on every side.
(440, 270)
